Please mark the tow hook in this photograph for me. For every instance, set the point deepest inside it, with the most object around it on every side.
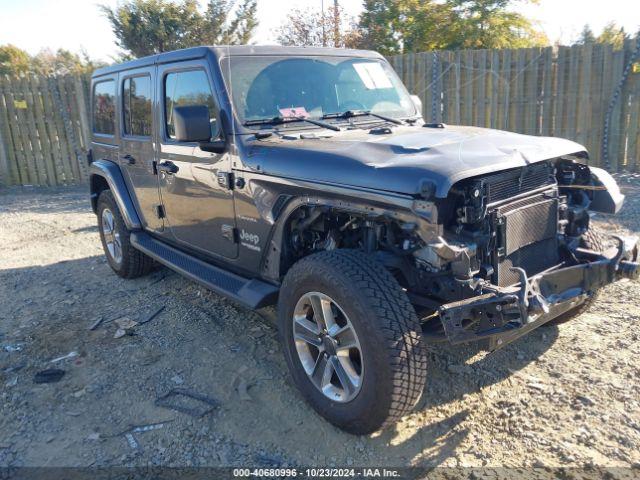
(626, 263)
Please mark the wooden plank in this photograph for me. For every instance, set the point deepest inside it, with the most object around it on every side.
(423, 82)
(480, 65)
(72, 126)
(563, 82)
(548, 91)
(40, 84)
(598, 106)
(493, 87)
(516, 84)
(5, 173)
(52, 107)
(32, 132)
(43, 134)
(457, 93)
(615, 125)
(68, 128)
(466, 107)
(13, 173)
(530, 91)
(22, 149)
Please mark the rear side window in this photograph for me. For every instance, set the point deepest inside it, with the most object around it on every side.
(136, 106)
(104, 107)
(188, 88)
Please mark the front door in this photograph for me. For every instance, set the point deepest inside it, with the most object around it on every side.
(137, 153)
(198, 202)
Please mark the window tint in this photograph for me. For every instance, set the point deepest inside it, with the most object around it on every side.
(104, 107)
(136, 105)
(188, 88)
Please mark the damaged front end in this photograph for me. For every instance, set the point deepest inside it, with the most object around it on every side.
(512, 254)
(503, 314)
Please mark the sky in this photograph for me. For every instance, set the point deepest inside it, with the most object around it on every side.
(76, 24)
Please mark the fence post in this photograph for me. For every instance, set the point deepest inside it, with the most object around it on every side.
(4, 163)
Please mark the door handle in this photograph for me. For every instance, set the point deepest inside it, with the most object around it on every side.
(130, 160)
(168, 167)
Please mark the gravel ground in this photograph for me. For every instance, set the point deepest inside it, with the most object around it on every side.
(561, 396)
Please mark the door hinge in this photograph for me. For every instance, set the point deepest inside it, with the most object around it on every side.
(160, 213)
(225, 180)
(230, 233)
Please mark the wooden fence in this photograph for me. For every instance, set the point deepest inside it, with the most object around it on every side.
(44, 130)
(565, 92)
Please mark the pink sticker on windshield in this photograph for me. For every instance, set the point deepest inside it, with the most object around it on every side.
(294, 112)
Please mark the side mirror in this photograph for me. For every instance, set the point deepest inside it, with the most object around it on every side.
(418, 103)
(191, 123)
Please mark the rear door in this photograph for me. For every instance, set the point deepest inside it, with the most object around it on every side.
(197, 197)
(137, 146)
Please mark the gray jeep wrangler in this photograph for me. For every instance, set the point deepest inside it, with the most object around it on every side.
(306, 177)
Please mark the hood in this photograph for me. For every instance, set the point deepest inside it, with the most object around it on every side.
(404, 159)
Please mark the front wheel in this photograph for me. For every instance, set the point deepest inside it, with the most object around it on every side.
(352, 340)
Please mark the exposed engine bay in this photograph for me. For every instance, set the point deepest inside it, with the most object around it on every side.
(494, 233)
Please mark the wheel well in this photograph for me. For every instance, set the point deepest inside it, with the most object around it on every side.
(314, 228)
(97, 184)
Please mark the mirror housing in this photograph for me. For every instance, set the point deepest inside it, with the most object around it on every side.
(217, 146)
(192, 123)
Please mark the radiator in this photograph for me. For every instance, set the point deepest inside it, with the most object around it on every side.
(526, 237)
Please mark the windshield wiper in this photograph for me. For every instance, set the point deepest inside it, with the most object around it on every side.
(283, 120)
(361, 113)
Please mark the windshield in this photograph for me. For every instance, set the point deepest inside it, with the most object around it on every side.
(264, 87)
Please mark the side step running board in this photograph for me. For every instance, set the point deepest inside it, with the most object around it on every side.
(251, 293)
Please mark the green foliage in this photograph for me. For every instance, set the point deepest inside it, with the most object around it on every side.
(147, 27)
(586, 36)
(310, 27)
(63, 62)
(614, 35)
(13, 60)
(399, 26)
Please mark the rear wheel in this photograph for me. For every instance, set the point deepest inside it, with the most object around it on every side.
(592, 240)
(125, 260)
(352, 340)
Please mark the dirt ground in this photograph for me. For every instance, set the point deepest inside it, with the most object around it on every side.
(561, 396)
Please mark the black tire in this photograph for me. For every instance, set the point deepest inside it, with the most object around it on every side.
(133, 263)
(593, 240)
(393, 353)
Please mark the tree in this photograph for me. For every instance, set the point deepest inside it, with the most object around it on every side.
(490, 24)
(398, 26)
(13, 60)
(614, 35)
(62, 62)
(147, 27)
(586, 36)
(314, 28)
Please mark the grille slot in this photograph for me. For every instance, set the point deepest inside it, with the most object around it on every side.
(505, 185)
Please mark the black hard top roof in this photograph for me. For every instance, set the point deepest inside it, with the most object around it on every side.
(233, 50)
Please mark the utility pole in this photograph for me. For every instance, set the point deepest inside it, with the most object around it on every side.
(336, 24)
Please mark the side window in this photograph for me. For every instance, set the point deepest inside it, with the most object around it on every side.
(104, 107)
(136, 106)
(189, 88)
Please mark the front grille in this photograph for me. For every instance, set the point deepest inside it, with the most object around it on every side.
(526, 233)
(505, 185)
